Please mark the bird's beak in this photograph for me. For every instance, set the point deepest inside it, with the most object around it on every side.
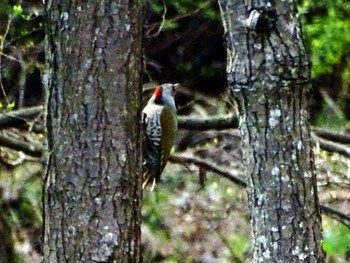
(174, 88)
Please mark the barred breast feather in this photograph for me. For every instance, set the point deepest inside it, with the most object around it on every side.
(160, 125)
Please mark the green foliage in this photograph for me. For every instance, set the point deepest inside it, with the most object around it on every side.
(239, 246)
(328, 119)
(327, 27)
(11, 105)
(169, 25)
(153, 209)
(336, 238)
(27, 15)
(18, 9)
(239, 243)
(21, 47)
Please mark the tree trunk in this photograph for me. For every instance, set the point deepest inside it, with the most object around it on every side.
(92, 190)
(268, 71)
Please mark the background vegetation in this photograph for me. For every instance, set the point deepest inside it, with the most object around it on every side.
(194, 215)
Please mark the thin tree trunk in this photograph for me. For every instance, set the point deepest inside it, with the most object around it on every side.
(93, 183)
(269, 75)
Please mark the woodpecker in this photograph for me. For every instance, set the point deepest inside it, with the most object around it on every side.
(159, 120)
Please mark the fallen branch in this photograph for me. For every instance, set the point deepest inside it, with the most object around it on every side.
(342, 218)
(332, 146)
(209, 166)
(18, 117)
(29, 148)
(332, 136)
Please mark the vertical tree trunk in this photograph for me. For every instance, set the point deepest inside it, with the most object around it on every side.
(93, 183)
(269, 75)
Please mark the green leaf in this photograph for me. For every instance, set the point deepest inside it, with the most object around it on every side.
(336, 239)
(169, 25)
(18, 9)
(10, 106)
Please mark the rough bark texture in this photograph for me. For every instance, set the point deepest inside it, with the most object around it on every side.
(269, 75)
(93, 182)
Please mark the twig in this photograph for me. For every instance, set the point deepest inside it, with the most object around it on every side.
(331, 103)
(185, 15)
(1, 50)
(9, 57)
(163, 21)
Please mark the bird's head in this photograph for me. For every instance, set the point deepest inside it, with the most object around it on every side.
(165, 94)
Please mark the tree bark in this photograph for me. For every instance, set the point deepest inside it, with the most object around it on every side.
(93, 183)
(268, 71)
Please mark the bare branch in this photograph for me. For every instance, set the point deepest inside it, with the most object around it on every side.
(165, 10)
(9, 57)
(18, 117)
(342, 218)
(211, 123)
(332, 136)
(331, 103)
(2, 41)
(230, 175)
(332, 146)
(29, 148)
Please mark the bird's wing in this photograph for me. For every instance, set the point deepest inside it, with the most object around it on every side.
(151, 146)
(169, 127)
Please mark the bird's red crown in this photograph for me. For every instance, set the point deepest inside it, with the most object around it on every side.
(158, 93)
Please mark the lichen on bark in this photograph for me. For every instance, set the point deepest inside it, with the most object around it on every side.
(268, 71)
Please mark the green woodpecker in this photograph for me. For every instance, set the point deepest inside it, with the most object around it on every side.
(160, 125)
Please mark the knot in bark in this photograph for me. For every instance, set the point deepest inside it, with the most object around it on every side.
(262, 21)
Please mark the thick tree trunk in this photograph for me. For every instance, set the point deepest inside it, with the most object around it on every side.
(269, 75)
(93, 183)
